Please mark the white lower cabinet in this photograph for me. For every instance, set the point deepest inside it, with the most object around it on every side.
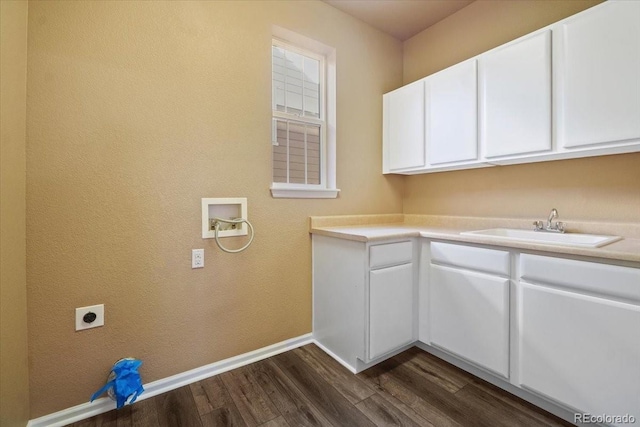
(364, 298)
(470, 316)
(391, 299)
(569, 333)
(469, 310)
(562, 333)
(579, 334)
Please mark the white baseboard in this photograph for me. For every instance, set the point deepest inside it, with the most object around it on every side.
(99, 406)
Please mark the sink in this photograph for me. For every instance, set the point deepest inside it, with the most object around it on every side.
(530, 236)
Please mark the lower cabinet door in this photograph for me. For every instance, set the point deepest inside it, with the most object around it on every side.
(469, 316)
(582, 351)
(390, 309)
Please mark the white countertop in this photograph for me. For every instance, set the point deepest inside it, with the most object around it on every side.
(627, 249)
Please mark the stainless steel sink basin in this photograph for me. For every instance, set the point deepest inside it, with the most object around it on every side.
(530, 236)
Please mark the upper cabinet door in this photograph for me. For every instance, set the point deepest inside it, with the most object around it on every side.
(515, 97)
(404, 127)
(451, 114)
(598, 75)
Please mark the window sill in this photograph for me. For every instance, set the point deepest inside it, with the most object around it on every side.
(304, 193)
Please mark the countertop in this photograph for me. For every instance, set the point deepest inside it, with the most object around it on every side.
(365, 229)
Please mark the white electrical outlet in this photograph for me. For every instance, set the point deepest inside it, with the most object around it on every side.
(89, 317)
(197, 258)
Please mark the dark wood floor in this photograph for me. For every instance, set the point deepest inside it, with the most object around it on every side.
(305, 387)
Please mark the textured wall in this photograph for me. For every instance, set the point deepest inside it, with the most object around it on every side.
(14, 383)
(136, 111)
(604, 188)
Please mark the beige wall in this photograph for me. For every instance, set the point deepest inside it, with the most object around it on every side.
(136, 111)
(14, 379)
(139, 109)
(592, 189)
(603, 188)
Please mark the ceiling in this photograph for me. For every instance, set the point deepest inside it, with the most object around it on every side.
(400, 18)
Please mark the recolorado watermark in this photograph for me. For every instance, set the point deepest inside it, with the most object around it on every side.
(603, 419)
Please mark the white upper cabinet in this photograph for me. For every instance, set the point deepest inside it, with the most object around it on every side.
(404, 128)
(597, 75)
(515, 97)
(451, 114)
(568, 90)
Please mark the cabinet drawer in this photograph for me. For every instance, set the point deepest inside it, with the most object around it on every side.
(390, 254)
(487, 260)
(604, 279)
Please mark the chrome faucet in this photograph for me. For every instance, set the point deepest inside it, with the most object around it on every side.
(553, 215)
(558, 227)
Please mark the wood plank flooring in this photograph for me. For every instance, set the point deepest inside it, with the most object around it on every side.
(305, 387)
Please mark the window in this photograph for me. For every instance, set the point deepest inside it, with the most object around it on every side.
(303, 125)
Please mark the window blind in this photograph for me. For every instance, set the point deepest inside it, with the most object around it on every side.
(297, 117)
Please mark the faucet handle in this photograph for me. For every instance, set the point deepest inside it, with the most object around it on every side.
(538, 225)
(560, 226)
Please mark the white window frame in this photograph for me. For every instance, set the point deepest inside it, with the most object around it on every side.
(327, 188)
